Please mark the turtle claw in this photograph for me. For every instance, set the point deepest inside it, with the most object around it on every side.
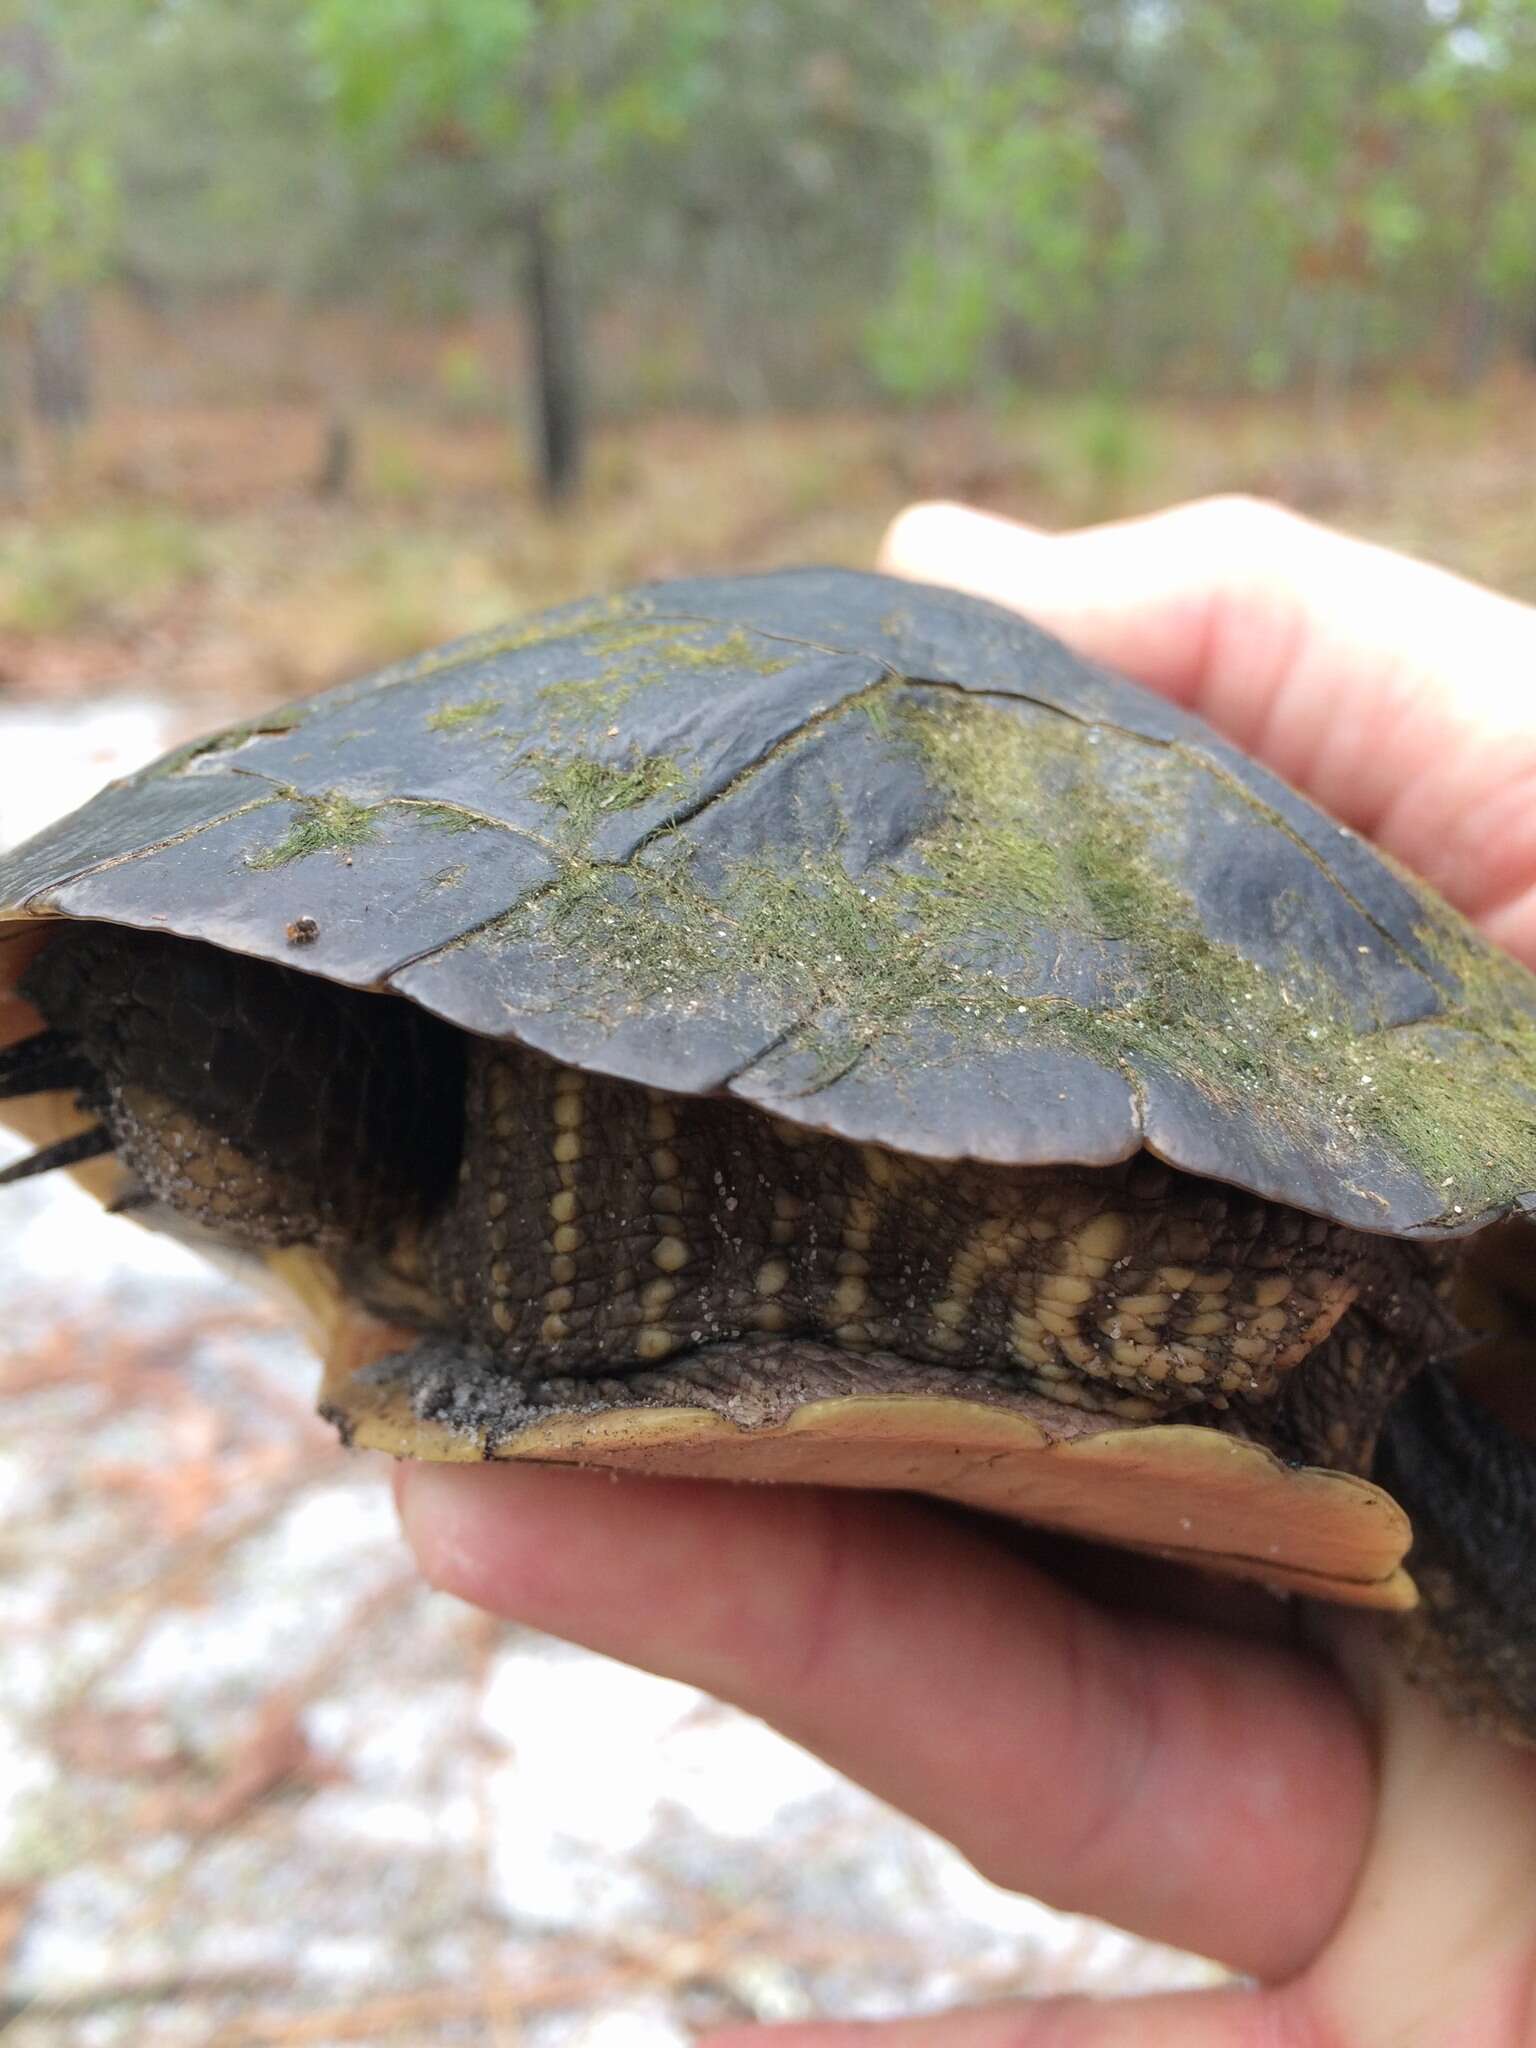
(67, 1152)
(47, 1061)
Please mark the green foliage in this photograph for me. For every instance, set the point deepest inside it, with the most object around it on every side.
(791, 198)
(398, 67)
(548, 89)
(394, 472)
(1095, 447)
(216, 141)
(465, 380)
(58, 196)
(1022, 229)
(56, 213)
(113, 567)
(1215, 189)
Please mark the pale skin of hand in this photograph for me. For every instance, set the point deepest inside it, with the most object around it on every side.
(1307, 1819)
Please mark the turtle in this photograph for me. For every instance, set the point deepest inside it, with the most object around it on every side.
(813, 1027)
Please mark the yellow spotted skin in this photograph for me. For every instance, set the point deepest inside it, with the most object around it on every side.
(598, 1226)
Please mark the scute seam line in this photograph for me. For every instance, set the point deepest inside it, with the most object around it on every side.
(291, 794)
(120, 860)
(671, 823)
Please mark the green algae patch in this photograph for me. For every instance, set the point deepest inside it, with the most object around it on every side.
(585, 789)
(851, 945)
(1455, 1105)
(666, 646)
(880, 949)
(282, 719)
(1038, 844)
(639, 933)
(335, 824)
(637, 653)
(1461, 1089)
(820, 939)
(445, 817)
(1052, 834)
(584, 702)
(510, 638)
(1036, 833)
(328, 824)
(1031, 832)
(462, 717)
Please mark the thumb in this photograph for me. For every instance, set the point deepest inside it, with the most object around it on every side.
(1399, 696)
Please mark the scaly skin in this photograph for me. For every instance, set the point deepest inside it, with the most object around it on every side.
(597, 1225)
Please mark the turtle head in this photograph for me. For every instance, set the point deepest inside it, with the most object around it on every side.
(265, 1106)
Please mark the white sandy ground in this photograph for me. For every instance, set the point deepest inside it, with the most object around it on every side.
(256, 1786)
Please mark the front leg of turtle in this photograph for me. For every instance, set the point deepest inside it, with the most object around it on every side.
(1466, 1474)
(249, 1106)
(1469, 1483)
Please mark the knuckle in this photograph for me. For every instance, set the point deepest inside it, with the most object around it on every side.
(916, 525)
(1244, 524)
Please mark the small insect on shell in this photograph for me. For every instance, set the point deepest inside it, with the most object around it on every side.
(303, 932)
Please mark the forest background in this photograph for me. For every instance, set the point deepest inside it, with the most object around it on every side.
(541, 294)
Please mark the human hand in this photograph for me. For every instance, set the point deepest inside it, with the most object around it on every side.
(1176, 1766)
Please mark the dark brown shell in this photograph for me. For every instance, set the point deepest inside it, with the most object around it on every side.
(887, 861)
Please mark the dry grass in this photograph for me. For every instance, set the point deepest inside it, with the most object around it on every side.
(183, 548)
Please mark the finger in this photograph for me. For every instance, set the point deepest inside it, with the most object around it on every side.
(1207, 1792)
(1435, 1946)
(1201, 2019)
(1398, 695)
(1449, 1881)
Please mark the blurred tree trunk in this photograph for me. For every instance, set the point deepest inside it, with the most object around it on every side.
(338, 458)
(58, 324)
(11, 455)
(1477, 315)
(1477, 334)
(555, 355)
(27, 73)
(61, 361)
